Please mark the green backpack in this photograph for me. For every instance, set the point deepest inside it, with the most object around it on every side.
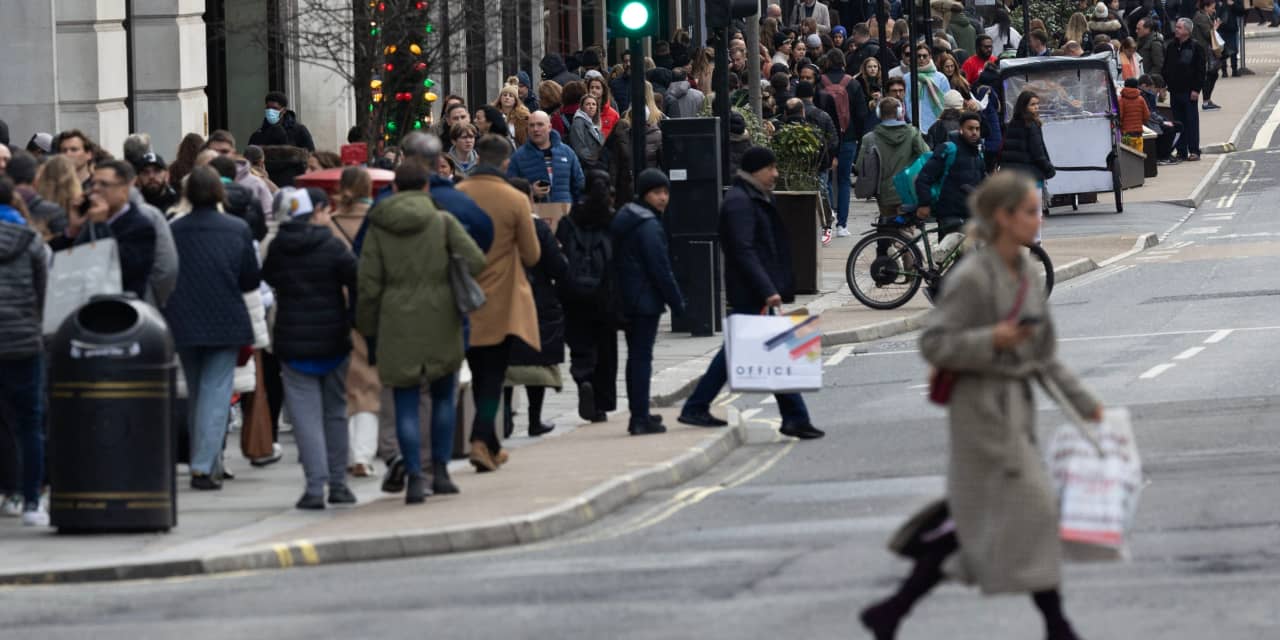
(905, 180)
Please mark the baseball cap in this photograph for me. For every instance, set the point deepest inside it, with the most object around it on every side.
(149, 159)
(41, 142)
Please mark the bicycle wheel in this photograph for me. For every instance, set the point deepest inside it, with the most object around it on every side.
(884, 277)
(1041, 264)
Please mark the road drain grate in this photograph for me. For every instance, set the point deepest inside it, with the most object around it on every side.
(1259, 293)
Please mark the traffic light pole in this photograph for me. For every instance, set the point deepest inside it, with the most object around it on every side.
(720, 84)
(639, 108)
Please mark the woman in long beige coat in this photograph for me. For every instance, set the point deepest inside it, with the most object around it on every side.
(508, 313)
(364, 390)
(1005, 515)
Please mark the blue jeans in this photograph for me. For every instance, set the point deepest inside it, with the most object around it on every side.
(210, 373)
(444, 412)
(22, 386)
(1187, 112)
(790, 405)
(642, 332)
(844, 169)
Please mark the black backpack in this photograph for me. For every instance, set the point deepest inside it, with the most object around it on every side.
(590, 255)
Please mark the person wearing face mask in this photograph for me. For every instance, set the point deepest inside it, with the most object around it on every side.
(280, 126)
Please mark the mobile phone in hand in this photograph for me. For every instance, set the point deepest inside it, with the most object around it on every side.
(1030, 321)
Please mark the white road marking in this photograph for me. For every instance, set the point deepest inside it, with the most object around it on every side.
(1201, 231)
(1156, 370)
(1189, 353)
(769, 400)
(840, 355)
(1227, 201)
(1268, 129)
(1219, 336)
(750, 413)
(919, 386)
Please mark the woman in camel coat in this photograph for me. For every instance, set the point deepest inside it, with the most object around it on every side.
(992, 329)
(508, 313)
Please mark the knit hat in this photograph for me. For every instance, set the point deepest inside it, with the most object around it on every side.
(651, 179)
(1100, 11)
(594, 73)
(813, 41)
(737, 124)
(953, 100)
(523, 77)
(839, 30)
(804, 89)
(779, 39)
(757, 158)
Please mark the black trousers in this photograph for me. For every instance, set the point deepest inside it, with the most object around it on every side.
(488, 373)
(275, 390)
(592, 336)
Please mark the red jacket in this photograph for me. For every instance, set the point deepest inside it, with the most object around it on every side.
(1133, 110)
(608, 118)
(973, 68)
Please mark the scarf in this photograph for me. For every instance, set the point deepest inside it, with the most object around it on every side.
(933, 92)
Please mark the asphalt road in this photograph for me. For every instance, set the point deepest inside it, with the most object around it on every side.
(785, 540)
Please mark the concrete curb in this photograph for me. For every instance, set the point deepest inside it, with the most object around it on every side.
(1215, 172)
(564, 517)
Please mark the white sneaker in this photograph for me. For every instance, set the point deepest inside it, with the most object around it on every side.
(842, 232)
(35, 518)
(12, 506)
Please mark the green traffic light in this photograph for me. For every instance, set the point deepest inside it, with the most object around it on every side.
(634, 15)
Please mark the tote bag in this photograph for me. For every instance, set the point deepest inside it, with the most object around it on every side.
(79, 273)
(775, 354)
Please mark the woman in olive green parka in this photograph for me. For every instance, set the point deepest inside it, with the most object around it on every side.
(406, 309)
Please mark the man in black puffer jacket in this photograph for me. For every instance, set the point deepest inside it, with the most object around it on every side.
(646, 286)
(241, 202)
(966, 171)
(314, 274)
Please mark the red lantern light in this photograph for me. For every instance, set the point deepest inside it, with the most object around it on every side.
(421, 66)
(382, 6)
(389, 67)
(421, 6)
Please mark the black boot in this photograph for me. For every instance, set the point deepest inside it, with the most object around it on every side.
(508, 415)
(1055, 623)
(441, 483)
(882, 619)
(536, 426)
(416, 490)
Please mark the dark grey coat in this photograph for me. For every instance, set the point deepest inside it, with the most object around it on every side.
(23, 277)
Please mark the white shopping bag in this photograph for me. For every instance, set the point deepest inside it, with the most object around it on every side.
(78, 274)
(1098, 493)
(777, 354)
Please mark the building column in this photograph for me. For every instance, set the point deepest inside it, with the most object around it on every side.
(30, 102)
(169, 71)
(494, 73)
(324, 100)
(92, 80)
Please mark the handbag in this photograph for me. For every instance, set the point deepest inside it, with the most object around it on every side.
(79, 273)
(942, 382)
(255, 434)
(467, 294)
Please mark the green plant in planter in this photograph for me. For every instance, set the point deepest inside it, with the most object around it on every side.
(798, 148)
(755, 127)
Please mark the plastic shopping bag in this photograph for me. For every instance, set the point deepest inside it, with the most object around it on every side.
(1098, 494)
(78, 274)
(775, 354)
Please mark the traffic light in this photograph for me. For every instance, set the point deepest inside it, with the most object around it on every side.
(635, 19)
(721, 12)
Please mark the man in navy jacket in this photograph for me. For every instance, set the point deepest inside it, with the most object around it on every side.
(646, 285)
(757, 276)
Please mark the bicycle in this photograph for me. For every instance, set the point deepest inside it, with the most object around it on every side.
(886, 267)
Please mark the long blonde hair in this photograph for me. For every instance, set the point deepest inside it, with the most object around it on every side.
(57, 182)
(514, 91)
(1003, 190)
(354, 186)
(652, 112)
(1077, 27)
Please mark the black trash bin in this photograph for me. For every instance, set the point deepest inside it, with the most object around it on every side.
(110, 442)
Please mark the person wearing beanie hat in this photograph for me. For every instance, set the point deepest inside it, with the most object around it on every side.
(526, 93)
(949, 122)
(838, 34)
(646, 286)
(757, 275)
(813, 42)
(313, 274)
